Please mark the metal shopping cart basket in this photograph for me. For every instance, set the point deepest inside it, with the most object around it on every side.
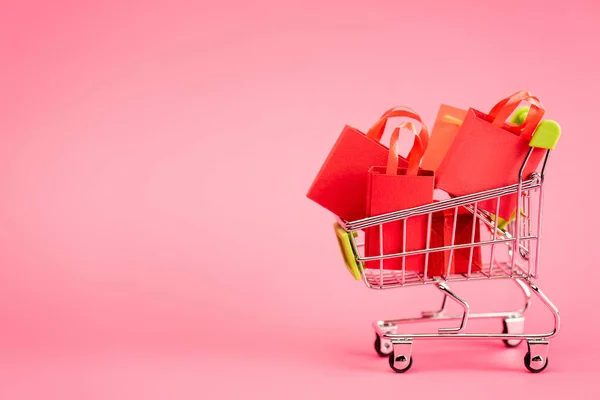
(508, 250)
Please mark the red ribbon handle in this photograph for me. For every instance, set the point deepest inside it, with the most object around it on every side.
(507, 106)
(414, 156)
(376, 131)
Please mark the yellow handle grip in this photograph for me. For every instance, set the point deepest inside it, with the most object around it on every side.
(546, 134)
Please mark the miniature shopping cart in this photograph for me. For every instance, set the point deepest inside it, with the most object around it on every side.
(508, 250)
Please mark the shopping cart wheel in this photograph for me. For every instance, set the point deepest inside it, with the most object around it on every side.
(536, 359)
(383, 347)
(514, 326)
(400, 360)
(535, 364)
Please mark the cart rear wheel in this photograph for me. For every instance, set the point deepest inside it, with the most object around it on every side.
(510, 343)
(383, 348)
(535, 367)
(400, 359)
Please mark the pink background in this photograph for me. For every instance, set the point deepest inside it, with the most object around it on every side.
(154, 157)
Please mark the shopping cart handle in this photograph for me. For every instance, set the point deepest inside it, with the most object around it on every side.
(546, 134)
(344, 241)
(519, 116)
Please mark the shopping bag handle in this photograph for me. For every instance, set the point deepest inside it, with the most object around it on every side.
(505, 107)
(414, 156)
(376, 131)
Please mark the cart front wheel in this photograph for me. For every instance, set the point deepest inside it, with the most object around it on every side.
(535, 365)
(383, 347)
(400, 364)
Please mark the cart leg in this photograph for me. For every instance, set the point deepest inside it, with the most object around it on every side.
(401, 357)
(513, 326)
(550, 306)
(526, 294)
(465, 317)
(536, 359)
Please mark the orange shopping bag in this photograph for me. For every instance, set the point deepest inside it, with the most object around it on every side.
(446, 126)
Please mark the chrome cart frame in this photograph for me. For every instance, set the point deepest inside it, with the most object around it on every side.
(521, 238)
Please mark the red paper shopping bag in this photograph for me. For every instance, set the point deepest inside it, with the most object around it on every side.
(391, 189)
(442, 223)
(446, 126)
(487, 152)
(341, 184)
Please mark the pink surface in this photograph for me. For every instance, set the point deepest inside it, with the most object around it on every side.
(154, 157)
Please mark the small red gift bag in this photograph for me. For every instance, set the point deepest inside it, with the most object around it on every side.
(391, 189)
(341, 184)
(467, 231)
(488, 153)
